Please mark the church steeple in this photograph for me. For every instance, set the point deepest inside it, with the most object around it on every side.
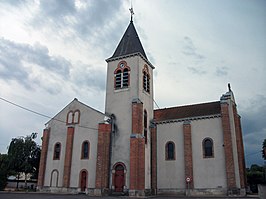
(129, 98)
(129, 44)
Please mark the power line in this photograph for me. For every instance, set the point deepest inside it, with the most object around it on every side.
(156, 103)
(27, 109)
(49, 117)
(52, 118)
(41, 114)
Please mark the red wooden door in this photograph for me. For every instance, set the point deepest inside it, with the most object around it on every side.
(83, 182)
(119, 178)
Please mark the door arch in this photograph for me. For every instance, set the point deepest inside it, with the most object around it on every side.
(119, 177)
(83, 179)
(54, 178)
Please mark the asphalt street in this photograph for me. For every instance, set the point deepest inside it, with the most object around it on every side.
(10, 195)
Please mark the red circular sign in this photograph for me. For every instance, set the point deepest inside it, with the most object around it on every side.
(188, 179)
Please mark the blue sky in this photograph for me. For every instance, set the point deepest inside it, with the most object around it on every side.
(53, 51)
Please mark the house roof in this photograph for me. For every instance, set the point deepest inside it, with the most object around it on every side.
(195, 110)
(129, 44)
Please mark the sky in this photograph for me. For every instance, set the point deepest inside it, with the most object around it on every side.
(53, 51)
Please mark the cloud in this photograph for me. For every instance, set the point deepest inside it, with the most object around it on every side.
(86, 19)
(197, 71)
(92, 25)
(84, 75)
(254, 115)
(100, 24)
(86, 14)
(57, 9)
(189, 49)
(14, 2)
(34, 68)
(15, 58)
(221, 71)
(254, 128)
(11, 66)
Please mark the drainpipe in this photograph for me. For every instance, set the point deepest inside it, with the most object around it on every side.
(112, 121)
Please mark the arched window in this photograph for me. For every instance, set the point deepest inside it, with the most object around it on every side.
(146, 79)
(70, 117)
(170, 151)
(73, 117)
(125, 77)
(76, 117)
(145, 125)
(85, 150)
(122, 75)
(57, 150)
(207, 145)
(118, 79)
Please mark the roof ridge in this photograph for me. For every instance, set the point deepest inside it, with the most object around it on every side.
(189, 105)
(188, 111)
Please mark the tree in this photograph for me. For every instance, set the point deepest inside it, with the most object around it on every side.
(24, 156)
(3, 170)
(264, 149)
(35, 162)
(255, 176)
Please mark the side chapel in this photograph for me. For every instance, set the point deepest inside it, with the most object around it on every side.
(132, 149)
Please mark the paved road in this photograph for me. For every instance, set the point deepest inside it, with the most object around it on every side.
(7, 195)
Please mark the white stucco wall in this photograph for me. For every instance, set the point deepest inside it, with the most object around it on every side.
(88, 118)
(56, 135)
(208, 172)
(170, 173)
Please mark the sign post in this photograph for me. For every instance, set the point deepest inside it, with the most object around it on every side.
(188, 180)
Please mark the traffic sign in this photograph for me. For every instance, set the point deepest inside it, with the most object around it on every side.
(188, 179)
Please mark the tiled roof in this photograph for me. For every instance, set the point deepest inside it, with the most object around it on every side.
(129, 44)
(195, 110)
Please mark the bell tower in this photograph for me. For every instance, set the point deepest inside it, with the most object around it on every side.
(129, 99)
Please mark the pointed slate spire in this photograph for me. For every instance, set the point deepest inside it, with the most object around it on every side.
(130, 43)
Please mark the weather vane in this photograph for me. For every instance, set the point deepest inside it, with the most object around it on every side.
(131, 12)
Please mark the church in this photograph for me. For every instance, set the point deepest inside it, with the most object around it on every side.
(136, 150)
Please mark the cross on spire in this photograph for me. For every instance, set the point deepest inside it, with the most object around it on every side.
(131, 12)
(229, 87)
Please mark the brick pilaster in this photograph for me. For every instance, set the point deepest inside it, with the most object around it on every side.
(137, 117)
(68, 156)
(188, 152)
(42, 167)
(240, 149)
(153, 159)
(137, 163)
(228, 148)
(137, 148)
(103, 156)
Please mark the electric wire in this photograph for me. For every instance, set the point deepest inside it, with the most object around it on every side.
(41, 114)
(46, 116)
(156, 103)
(52, 118)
